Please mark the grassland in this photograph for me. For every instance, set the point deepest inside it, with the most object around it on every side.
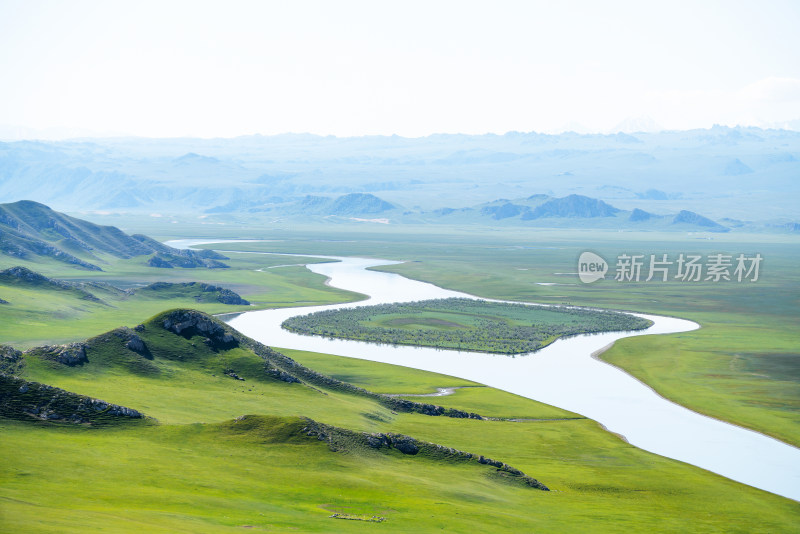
(197, 471)
(190, 472)
(741, 366)
(36, 316)
(396, 380)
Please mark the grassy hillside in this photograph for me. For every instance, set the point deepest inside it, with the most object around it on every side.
(38, 311)
(206, 466)
(198, 469)
(30, 230)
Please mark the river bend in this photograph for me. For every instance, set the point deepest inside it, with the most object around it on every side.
(564, 374)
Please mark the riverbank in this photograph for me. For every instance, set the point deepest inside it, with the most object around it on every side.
(563, 374)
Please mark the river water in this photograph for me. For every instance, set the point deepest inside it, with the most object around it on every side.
(563, 374)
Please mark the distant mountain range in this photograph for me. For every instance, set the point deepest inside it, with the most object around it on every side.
(576, 211)
(535, 210)
(741, 173)
(29, 230)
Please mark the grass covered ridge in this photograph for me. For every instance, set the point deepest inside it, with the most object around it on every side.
(57, 304)
(207, 468)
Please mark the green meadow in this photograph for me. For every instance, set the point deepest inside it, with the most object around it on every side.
(192, 467)
(36, 316)
(201, 467)
(741, 366)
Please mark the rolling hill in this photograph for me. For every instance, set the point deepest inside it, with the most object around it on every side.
(36, 308)
(29, 229)
(181, 423)
(178, 341)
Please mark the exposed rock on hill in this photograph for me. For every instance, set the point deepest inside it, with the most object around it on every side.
(23, 274)
(341, 439)
(168, 257)
(218, 335)
(21, 399)
(29, 229)
(169, 261)
(188, 323)
(71, 354)
(25, 277)
(11, 361)
(201, 292)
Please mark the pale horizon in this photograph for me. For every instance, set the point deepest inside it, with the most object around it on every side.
(10, 133)
(351, 69)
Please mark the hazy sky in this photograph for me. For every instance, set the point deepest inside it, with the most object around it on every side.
(195, 68)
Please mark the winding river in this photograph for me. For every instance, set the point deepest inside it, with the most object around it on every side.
(564, 374)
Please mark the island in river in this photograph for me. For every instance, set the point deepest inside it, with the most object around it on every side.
(463, 324)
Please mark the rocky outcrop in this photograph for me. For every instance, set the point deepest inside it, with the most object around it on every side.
(225, 296)
(21, 399)
(11, 361)
(23, 276)
(231, 373)
(72, 354)
(341, 439)
(20, 247)
(160, 262)
(188, 323)
(201, 292)
(168, 261)
(281, 375)
(137, 345)
(26, 275)
(402, 405)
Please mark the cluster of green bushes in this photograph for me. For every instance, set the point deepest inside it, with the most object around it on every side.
(465, 324)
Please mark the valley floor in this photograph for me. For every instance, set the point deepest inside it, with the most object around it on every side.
(190, 471)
